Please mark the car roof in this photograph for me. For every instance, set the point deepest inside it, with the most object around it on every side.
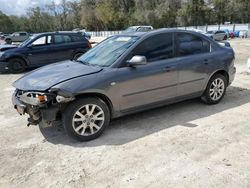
(60, 32)
(158, 31)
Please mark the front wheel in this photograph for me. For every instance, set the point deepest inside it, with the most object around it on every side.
(86, 119)
(16, 65)
(215, 90)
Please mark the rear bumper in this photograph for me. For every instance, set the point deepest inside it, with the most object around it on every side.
(232, 73)
(4, 66)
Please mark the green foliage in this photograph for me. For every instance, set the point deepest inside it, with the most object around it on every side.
(119, 14)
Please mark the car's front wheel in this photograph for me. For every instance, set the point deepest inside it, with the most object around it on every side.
(16, 65)
(215, 90)
(85, 119)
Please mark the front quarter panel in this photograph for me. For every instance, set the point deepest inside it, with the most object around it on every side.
(101, 83)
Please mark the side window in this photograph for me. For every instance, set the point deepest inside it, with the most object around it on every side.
(66, 38)
(190, 44)
(58, 39)
(143, 29)
(23, 34)
(40, 41)
(76, 38)
(156, 48)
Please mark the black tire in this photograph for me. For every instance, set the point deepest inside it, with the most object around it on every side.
(207, 97)
(8, 41)
(16, 65)
(77, 55)
(80, 105)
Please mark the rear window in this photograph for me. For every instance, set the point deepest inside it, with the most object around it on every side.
(23, 34)
(77, 38)
(190, 44)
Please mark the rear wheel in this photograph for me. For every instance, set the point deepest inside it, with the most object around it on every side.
(77, 55)
(86, 119)
(16, 65)
(215, 90)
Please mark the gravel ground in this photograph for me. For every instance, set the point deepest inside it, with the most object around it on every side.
(188, 144)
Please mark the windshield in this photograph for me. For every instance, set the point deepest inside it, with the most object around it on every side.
(27, 41)
(108, 51)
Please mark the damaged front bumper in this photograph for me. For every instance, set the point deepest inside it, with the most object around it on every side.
(39, 106)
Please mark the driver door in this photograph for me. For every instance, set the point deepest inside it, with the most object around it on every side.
(40, 51)
(151, 83)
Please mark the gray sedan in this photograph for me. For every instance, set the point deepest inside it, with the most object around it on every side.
(125, 74)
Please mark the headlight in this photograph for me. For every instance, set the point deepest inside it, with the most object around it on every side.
(33, 98)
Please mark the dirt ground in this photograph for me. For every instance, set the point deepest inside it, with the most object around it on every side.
(188, 144)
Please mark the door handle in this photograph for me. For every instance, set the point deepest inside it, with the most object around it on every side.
(206, 61)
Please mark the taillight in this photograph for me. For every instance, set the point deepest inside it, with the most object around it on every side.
(89, 45)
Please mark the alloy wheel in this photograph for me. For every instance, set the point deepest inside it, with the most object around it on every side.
(88, 120)
(217, 88)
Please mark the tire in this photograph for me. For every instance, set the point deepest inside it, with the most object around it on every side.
(82, 125)
(8, 41)
(16, 65)
(214, 94)
(77, 55)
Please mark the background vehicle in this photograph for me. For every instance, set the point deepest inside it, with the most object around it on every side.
(16, 37)
(84, 33)
(125, 74)
(217, 35)
(139, 28)
(243, 34)
(2, 36)
(42, 49)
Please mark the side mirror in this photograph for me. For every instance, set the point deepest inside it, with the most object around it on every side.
(137, 60)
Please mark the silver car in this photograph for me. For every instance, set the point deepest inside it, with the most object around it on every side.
(217, 35)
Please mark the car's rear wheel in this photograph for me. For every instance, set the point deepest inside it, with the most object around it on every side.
(16, 65)
(215, 90)
(86, 119)
(77, 55)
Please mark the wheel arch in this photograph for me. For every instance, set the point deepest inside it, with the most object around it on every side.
(222, 72)
(19, 57)
(76, 52)
(101, 96)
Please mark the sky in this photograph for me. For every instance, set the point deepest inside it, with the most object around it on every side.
(19, 7)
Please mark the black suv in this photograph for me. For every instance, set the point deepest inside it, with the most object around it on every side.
(42, 49)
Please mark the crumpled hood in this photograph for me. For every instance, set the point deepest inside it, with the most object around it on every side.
(4, 47)
(45, 77)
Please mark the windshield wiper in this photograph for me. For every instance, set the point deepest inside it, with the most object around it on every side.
(83, 62)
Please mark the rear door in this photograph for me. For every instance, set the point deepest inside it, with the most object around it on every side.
(194, 57)
(63, 48)
(151, 83)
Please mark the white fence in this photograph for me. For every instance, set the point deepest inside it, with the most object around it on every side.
(230, 27)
